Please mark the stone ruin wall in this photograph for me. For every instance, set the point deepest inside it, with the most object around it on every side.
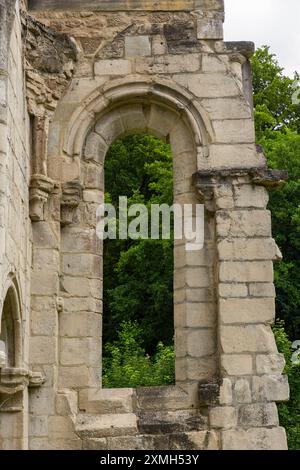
(73, 81)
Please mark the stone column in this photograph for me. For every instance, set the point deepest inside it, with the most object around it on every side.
(251, 379)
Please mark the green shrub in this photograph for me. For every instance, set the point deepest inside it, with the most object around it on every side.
(127, 365)
(289, 412)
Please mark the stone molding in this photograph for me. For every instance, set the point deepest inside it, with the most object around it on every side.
(40, 189)
(206, 181)
(13, 382)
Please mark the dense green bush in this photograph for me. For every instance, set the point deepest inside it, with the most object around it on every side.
(127, 365)
(289, 412)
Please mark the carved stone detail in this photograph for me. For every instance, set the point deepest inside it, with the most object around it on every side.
(40, 189)
(71, 196)
(206, 181)
(13, 382)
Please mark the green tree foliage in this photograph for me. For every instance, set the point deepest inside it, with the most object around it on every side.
(289, 413)
(277, 122)
(273, 91)
(127, 364)
(138, 275)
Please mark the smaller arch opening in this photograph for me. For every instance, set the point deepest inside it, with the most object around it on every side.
(8, 330)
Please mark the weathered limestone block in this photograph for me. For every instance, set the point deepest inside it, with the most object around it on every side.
(197, 277)
(103, 401)
(110, 127)
(247, 311)
(224, 196)
(106, 425)
(224, 417)
(210, 27)
(270, 388)
(43, 323)
(162, 68)
(270, 364)
(195, 342)
(95, 148)
(232, 131)
(136, 46)
(226, 396)
(74, 377)
(237, 364)
(82, 304)
(202, 440)
(55, 444)
(44, 283)
(247, 249)
(209, 85)
(247, 338)
(197, 295)
(79, 239)
(258, 415)
(224, 108)
(66, 403)
(43, 350)
(246, 271)
(194, 315)
(233, 290)
(81, 265)
(242, 391)
(165, 117)
(123, 5)
(80, 324)
(42, 401)
(134, 118)
(45, 259)
(79, 351)
(255, 439)
(256, 196)
(244, 223)
(113, 67)
(61, 427)
(262, 290)
(44, 235)
(38, 426)
(234, 156)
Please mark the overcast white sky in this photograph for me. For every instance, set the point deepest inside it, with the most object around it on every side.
(272, 22)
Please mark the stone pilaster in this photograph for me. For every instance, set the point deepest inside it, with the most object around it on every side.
(251, 379)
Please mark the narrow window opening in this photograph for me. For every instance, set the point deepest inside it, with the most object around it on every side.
(138, 320)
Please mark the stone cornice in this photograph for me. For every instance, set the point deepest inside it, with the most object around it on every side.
(261, 176)
(206, 182)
